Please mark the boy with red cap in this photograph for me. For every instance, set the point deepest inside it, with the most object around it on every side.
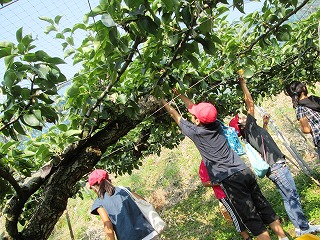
(226, 168)
(279, 173)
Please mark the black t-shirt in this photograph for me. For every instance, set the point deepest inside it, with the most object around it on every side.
(220, 160)
(254, 134)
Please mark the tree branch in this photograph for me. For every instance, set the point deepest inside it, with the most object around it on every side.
(274, 28)
(128, 59)
(7, 176)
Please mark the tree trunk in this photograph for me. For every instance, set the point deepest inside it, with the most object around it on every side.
(77, 162)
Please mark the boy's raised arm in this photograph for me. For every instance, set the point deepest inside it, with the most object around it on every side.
(184, 98)
(247, 95)
(173, 113)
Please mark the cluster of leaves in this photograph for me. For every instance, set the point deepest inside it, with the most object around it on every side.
(136, 49)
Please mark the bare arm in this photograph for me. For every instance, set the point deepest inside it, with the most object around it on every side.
(266, 118)
(207, 184)
(107, 225)
(173, 113)
(304, 125)
(247, 95)
(184, 98)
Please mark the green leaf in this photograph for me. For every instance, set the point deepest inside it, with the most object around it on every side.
(50, 28)
(79, 26)
(148, 25)
(186, 15)
(6, 146)
(73, 91)
(45, 98)
(41, 55)
(60, 36)
(248, 73)
(6, 44)
(5, 52)
(17, 126)
(62, 127)
(239, 5)
(19, 35)
(70, 133)
(122, 98)
(54, 60)
(194, 61)
(66, 30)
(70, 41)
(31, 120)
(47, 19)
(113, 36)
(21, 48)
(171, 4)
(68, 53)
(107, 20)
(215, 38)
(9, 78)
(27, 40)
(8, 60)
(29, 57)
(208, 46)
(57, 19)
(205, 26)
(12, 134)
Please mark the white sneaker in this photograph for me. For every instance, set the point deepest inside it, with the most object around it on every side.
(311, 229)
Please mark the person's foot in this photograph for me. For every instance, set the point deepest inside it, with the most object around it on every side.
(311, 229)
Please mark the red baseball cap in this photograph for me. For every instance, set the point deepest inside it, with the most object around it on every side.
(204, 111)
(234, 122)
(97, 176)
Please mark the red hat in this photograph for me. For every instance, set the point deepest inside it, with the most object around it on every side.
(97, 176)
(204, 111)
(235, 124)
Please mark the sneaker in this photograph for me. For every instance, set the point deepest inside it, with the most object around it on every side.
(311, 229)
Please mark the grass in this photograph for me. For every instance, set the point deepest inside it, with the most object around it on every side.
(170, 181)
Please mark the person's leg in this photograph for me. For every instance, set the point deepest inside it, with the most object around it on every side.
(263, 236)
(277, 229)
(284, 182)
(237, 222)
(266, 211)
(238, 189)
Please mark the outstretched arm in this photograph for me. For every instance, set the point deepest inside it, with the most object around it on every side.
(173, 113)
(247, 96)
(184, 98)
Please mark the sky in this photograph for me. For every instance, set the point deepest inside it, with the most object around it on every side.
(26, 13)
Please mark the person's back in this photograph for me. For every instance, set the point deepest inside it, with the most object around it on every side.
(220, 160)
(279, 173)
(227, 169)
(126, 217)
(118, 211)
(307, 110)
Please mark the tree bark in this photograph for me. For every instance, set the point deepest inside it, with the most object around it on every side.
(77, 162)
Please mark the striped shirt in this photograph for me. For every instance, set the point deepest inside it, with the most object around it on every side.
(313, 120)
